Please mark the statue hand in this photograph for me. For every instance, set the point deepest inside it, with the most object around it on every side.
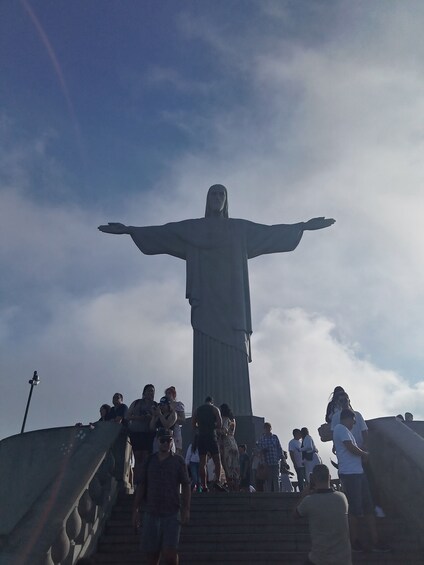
(318, 223)
(114, 227)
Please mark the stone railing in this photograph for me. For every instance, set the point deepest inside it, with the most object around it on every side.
(397, 461)
(57, 490)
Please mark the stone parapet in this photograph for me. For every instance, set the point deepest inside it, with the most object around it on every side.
(397, 462)
(58, 487)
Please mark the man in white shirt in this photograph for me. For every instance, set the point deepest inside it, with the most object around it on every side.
(354, 481)
(296, 457)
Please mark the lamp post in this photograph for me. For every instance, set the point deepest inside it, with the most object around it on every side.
(33, 382)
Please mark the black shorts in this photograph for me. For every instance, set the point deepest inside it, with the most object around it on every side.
(142, 441)
(208, 444)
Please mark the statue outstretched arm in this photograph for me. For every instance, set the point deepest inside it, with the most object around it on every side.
(262, 239)
(318, 223)
(153, 240)
(115, 228)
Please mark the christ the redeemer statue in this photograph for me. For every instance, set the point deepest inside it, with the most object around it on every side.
(216, 249)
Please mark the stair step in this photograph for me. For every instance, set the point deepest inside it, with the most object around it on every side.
(262, 558)
(253, 529)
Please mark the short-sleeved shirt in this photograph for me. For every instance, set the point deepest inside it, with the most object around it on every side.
(326, 512)
(270, 444)
(349, 464)
(294, 445)
(358, 427)
(163, 483)
(119, 411)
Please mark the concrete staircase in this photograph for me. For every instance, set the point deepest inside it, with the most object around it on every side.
(254, 529)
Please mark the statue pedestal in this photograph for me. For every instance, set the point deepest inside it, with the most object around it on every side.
(248, 430)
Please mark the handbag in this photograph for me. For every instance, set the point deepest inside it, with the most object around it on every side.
(325, 432)
(308, 455)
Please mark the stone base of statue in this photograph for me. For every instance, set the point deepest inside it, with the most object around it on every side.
(248, 430)
(222, 372)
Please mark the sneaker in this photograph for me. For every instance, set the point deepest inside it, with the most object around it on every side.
(357, 547)
(381, 548)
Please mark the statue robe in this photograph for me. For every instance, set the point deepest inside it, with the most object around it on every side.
(216, 251)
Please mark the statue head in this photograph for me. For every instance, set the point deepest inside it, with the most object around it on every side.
(217, 201)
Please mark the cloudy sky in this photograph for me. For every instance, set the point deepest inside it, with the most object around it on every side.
(129, 111)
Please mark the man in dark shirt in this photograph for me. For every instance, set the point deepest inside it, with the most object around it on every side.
(206, 420)
(158, 497)
(119, 410)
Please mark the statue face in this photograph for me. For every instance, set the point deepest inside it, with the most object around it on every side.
(217, 198)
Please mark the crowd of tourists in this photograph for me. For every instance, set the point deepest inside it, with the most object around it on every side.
(214, 461)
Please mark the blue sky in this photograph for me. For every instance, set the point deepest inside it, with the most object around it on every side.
(128, 112)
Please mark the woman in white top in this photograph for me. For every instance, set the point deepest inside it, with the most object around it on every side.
(309, 453)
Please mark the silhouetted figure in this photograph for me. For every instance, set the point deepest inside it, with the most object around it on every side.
(333, 405)
(141, 436)
(119, 410)
(206, 421)
(158, 499)
(104, 412)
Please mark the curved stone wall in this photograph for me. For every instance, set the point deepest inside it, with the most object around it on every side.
(397, 461)
(58, 487)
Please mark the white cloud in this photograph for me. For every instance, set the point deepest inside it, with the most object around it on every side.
(297, 362)
(332, 131)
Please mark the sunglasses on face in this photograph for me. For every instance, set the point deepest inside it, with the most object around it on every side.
(165, 439)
